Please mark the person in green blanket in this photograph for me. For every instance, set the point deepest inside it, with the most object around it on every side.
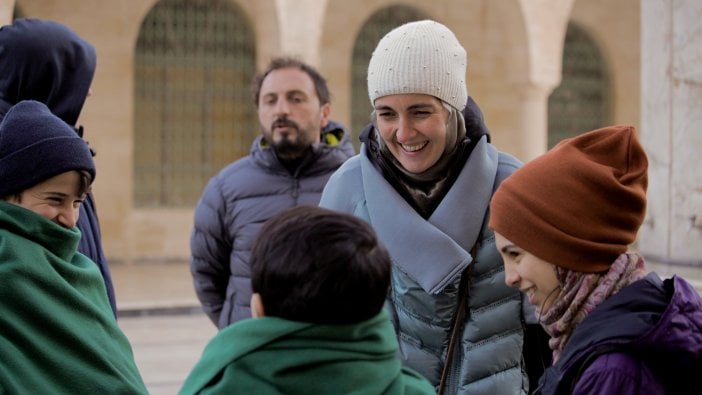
(319, 279)
(58, 334)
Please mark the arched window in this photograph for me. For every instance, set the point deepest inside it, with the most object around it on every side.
(192, 107)
(581, 101)
(379, 24)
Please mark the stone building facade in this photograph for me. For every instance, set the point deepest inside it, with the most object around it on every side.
(646, 72)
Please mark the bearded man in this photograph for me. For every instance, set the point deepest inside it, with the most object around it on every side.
(288, 165)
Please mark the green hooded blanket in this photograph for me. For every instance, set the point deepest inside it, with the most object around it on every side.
(270, 355)
(58, 334)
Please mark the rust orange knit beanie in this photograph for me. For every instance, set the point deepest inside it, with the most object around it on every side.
(579, 205)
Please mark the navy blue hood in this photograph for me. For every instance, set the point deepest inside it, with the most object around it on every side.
(47, 62)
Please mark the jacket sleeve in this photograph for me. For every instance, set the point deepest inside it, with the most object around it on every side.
(617, 373)
(90, 245)
(210, 249)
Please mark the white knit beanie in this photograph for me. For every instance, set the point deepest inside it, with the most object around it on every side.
(419, 57)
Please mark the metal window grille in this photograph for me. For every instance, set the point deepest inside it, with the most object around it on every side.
(193, 110)
(379, 24)
(580, 103)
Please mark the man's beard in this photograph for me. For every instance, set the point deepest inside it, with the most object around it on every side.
(288, 148)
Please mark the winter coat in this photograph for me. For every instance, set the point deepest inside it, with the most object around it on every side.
(270, 355)
(429, 258)
(233, 207)
(646, 339)
(57, 332)
(51, 64)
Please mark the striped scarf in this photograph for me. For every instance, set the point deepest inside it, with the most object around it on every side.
(581, 292)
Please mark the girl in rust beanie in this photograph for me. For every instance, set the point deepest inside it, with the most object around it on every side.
(563, 224)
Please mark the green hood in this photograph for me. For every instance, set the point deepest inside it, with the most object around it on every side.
(274, 356)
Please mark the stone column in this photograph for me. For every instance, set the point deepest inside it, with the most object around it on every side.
(519, 104)
(6, 9)
(300, 24)
(518, 119)
(671, 130)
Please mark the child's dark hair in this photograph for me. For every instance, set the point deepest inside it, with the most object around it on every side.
(312, 264)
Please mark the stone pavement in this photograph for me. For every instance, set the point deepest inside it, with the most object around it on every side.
(150, 287)
(160, 314)
(166, 347)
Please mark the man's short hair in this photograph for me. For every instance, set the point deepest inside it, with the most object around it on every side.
(311, 264)
(320, 84)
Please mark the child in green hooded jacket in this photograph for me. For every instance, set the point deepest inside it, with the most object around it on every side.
(319, 279)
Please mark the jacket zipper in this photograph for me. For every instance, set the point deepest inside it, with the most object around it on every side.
(296, 188)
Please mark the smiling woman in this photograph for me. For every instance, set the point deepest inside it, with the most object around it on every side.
(58, 331)
(425, 167)
(531, 274)
(415, 129)
(563, 224)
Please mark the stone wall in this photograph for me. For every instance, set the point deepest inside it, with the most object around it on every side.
(514, 48)
(671, 112)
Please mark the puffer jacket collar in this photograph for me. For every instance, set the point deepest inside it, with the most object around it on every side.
(441, 232)
(335, 147)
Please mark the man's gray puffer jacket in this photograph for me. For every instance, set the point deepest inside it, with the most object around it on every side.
(233, 207)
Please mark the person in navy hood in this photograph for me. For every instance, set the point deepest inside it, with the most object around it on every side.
(46, 61)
